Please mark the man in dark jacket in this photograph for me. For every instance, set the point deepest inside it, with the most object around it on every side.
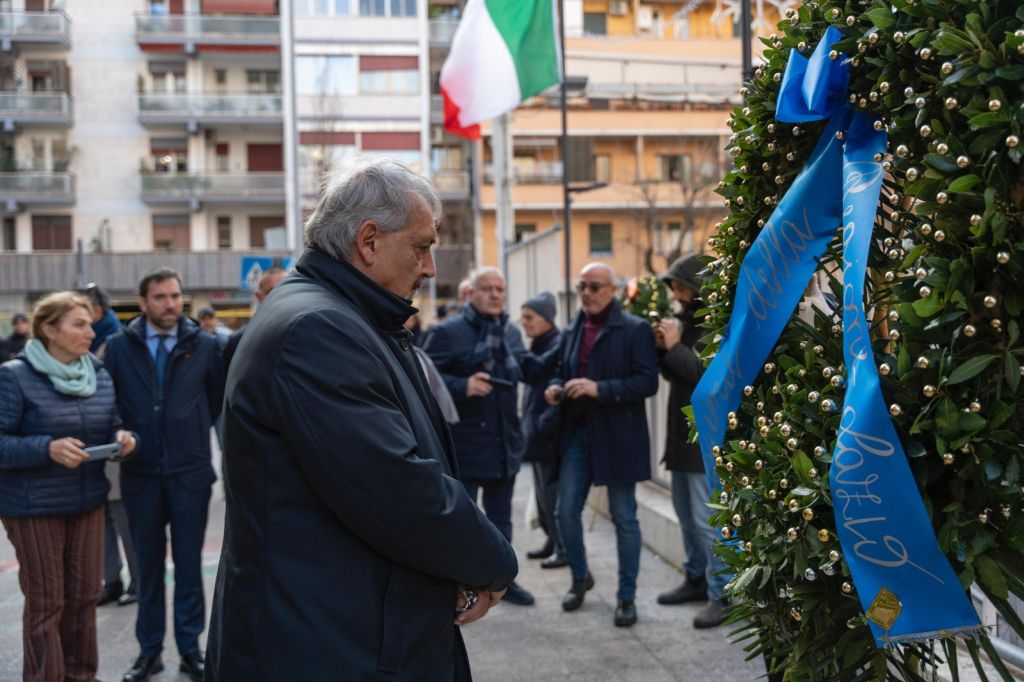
(104, 320)
(170, 385)
(477, 353)
(349, 542)
(540, 424)
(15, 343)
(680, 365)
(607, 368)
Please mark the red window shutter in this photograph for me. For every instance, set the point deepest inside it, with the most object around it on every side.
(222, 149)
(51, 233)
(257, 224)
(327, 138)
(265, 157)
(373, 142)
(378, 63)
(239, 7)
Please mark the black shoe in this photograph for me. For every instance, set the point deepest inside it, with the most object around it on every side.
(194, 665)
(143, 667)
(556, 560)
(517, 595)
(573, 599)
(127, 598)
(712, 615)
(690, 590)
(625, 613)
(541, 552)
(110, 593)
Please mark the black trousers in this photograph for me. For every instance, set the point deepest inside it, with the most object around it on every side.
(545, 490)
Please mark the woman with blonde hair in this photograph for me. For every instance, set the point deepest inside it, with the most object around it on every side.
(56, 400)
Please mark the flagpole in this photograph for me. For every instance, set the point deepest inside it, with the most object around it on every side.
(566, 198)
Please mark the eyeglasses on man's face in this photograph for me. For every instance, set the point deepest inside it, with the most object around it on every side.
(592, 287)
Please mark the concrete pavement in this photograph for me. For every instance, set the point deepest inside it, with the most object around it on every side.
(538, 642)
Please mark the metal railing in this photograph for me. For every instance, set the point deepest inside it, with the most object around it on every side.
(245, 30)
(34, 104)
(538, 173)
(185, 105)
(451, 183)
(35, 26)
(44, 186)
(206, 186)
(442, 31)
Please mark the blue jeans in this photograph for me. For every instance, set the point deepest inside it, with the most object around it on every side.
(689, 497)
(574, 481)
(497, 502)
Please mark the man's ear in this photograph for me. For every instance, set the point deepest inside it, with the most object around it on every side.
(366, 242)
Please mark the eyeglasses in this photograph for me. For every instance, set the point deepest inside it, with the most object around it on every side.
(592, 287)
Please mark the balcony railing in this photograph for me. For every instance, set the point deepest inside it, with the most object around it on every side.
(451, 184)
(192, 29)
(222, 187)
(41, 107)
(47, 28)
(442, 31)
(37, 187)
(539, 173)
(209, 108)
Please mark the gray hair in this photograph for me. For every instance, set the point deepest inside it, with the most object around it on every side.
(378, 191)
(475, 275)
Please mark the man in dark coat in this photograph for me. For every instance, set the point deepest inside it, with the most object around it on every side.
(268, 281)
(349, 545)
(15, 343)
(170, 385)
(677, 340)
(607, 368)
(477, 353)
(540, 424)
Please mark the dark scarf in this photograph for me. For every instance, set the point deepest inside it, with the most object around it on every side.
(491, 349)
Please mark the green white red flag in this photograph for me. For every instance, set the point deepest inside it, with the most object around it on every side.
(503, 52)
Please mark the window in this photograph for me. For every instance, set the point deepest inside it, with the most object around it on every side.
(265, 230)
(168, 77)
(10, 235)
(372, 8)
(323, 8)
(263, 82)
(171, 233)
(169, 155)
(524, 230)
(403, 8)
(51, 233)
(223, 157)
(669, 234)
(382, 75)
(602, 168)
(224, 232)
(321, 154)
(446, 159)
(675, 167)
(600, 239)
(595, 23)
(333, 75)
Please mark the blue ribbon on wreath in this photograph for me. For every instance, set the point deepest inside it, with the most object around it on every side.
(905, 584)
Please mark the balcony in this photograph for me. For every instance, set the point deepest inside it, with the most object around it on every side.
(42, 29)
(197, 188)
(34, 108)
(538, 173)
(209, 109)
(121, 272)
(442, 31)
(196, 32)
(451, 184)
(36, 188)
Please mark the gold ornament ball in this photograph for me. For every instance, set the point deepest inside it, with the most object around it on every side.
(925, 291)
(794, 505)
(963, 161)
(928, 390)
(942, 148)
(920, 102)
(994, 105)
(902, 151)
(997, 324)
(847, 588)
(925, 130)
(983, 517)
(895, 410)
(772, 494)
(823, 535)
(975, 407)
(833, 556)
(813, 396)
(946, 68)
(940, 236)
(1012, 141)
(792, 534)
(744, 481)
(942, 198)
(784, 483)
(923, 362)
(908, 92)
(989, 301)
(885, 369)
(898, 36)
(926, 53)
(759, 464)
(749, 546)
(952, 103)
(737, 520)
(795, 614)
(807, 514)
(1003, 257)
(729, 466)
(970, 330)
(948, 458)
(975, 220)
(726, 532)
(719, 461)
(926, 229)
(812, 473)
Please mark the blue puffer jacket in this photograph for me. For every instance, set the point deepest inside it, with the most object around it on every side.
(33, 413)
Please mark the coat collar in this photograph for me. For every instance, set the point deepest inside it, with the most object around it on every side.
(383, 308)
(136, 328)
(614, 316)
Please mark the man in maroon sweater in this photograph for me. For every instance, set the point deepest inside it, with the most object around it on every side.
(607, 368)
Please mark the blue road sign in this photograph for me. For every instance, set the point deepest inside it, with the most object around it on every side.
(253, 268)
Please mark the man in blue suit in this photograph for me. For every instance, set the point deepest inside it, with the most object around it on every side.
(607, 368)
(170, 385)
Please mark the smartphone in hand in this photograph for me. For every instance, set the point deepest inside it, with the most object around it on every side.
(103, 451)
(501, 383)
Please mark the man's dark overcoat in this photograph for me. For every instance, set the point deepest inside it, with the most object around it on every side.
(347, 530)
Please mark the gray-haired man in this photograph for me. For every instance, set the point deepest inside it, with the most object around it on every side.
(350, 546)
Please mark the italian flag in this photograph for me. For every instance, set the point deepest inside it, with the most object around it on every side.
(503, 52)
